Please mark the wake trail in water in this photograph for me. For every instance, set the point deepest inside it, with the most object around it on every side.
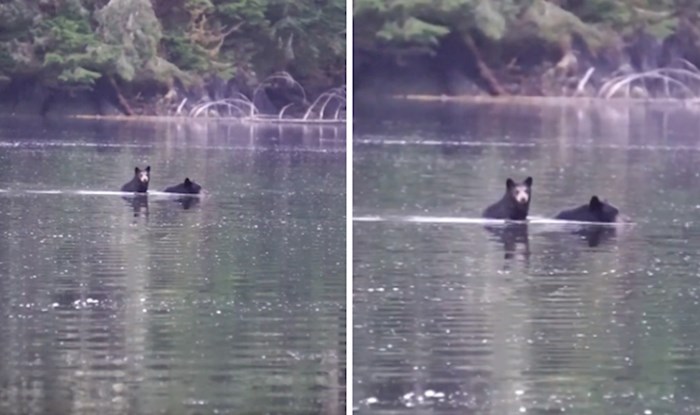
(100, 193)
(533, 220)
(155, 193)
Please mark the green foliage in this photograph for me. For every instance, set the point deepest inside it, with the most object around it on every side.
(15, 17)
(412, 30)
(399, 26)
(131, 24)
(663, 28)
(655, 17)
(552, 25)
(603, 11)
(72, 43)
(67, 35)
(258, 37)
(424, 22)
(307, 32)
(491, 19)
(250, 11)
(79, 76)
(187, 55)
(65, 41)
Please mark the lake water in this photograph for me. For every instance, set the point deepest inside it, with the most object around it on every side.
(455, 317)
(233, 303)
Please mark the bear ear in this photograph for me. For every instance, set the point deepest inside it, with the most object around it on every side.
(148, 169)
(187, 180)
(528, 182)
(510, 183)
(595, 203)
(137, 170)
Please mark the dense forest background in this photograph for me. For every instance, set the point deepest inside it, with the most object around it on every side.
(146, 56)
(525, 47)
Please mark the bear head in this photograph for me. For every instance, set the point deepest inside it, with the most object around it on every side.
(192, 187)
(143, 176)
(602, 210)
(520, 193)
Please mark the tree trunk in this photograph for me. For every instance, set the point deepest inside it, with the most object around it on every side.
(484, 73)
(46, 103)
(121, 102)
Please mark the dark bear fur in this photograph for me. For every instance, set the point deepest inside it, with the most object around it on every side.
(187, 187)
(509, 207)
(139, 184)
(595, 211)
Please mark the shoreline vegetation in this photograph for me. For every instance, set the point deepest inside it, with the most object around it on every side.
(630, 50)
(251, 60)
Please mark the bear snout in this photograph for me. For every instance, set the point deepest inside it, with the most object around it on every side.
(521, 196)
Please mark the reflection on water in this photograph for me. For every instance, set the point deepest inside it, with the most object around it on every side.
(229, 303)
(456, 315)
(512, 236)
(138, 203)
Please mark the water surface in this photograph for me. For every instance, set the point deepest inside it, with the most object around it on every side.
(456, 315)
(229, 303)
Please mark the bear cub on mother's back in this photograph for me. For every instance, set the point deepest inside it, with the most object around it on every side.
(595, 211)
(139, 184)
(188, 187)
(514, 204)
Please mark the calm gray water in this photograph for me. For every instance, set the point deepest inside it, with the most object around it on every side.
(232, 305)
(453, 318)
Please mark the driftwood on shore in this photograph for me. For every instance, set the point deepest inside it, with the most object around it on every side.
(328, 107)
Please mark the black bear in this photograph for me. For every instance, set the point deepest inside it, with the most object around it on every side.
(595, 211)
(188, 187)
(515, 204)
(139, 184)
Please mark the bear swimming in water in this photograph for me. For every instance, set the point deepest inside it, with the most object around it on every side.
(188, 187)
(514, 204)
(595, 211)
(139, 184)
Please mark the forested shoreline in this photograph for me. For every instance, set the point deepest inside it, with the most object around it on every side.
(594, 48)
(154, 57)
